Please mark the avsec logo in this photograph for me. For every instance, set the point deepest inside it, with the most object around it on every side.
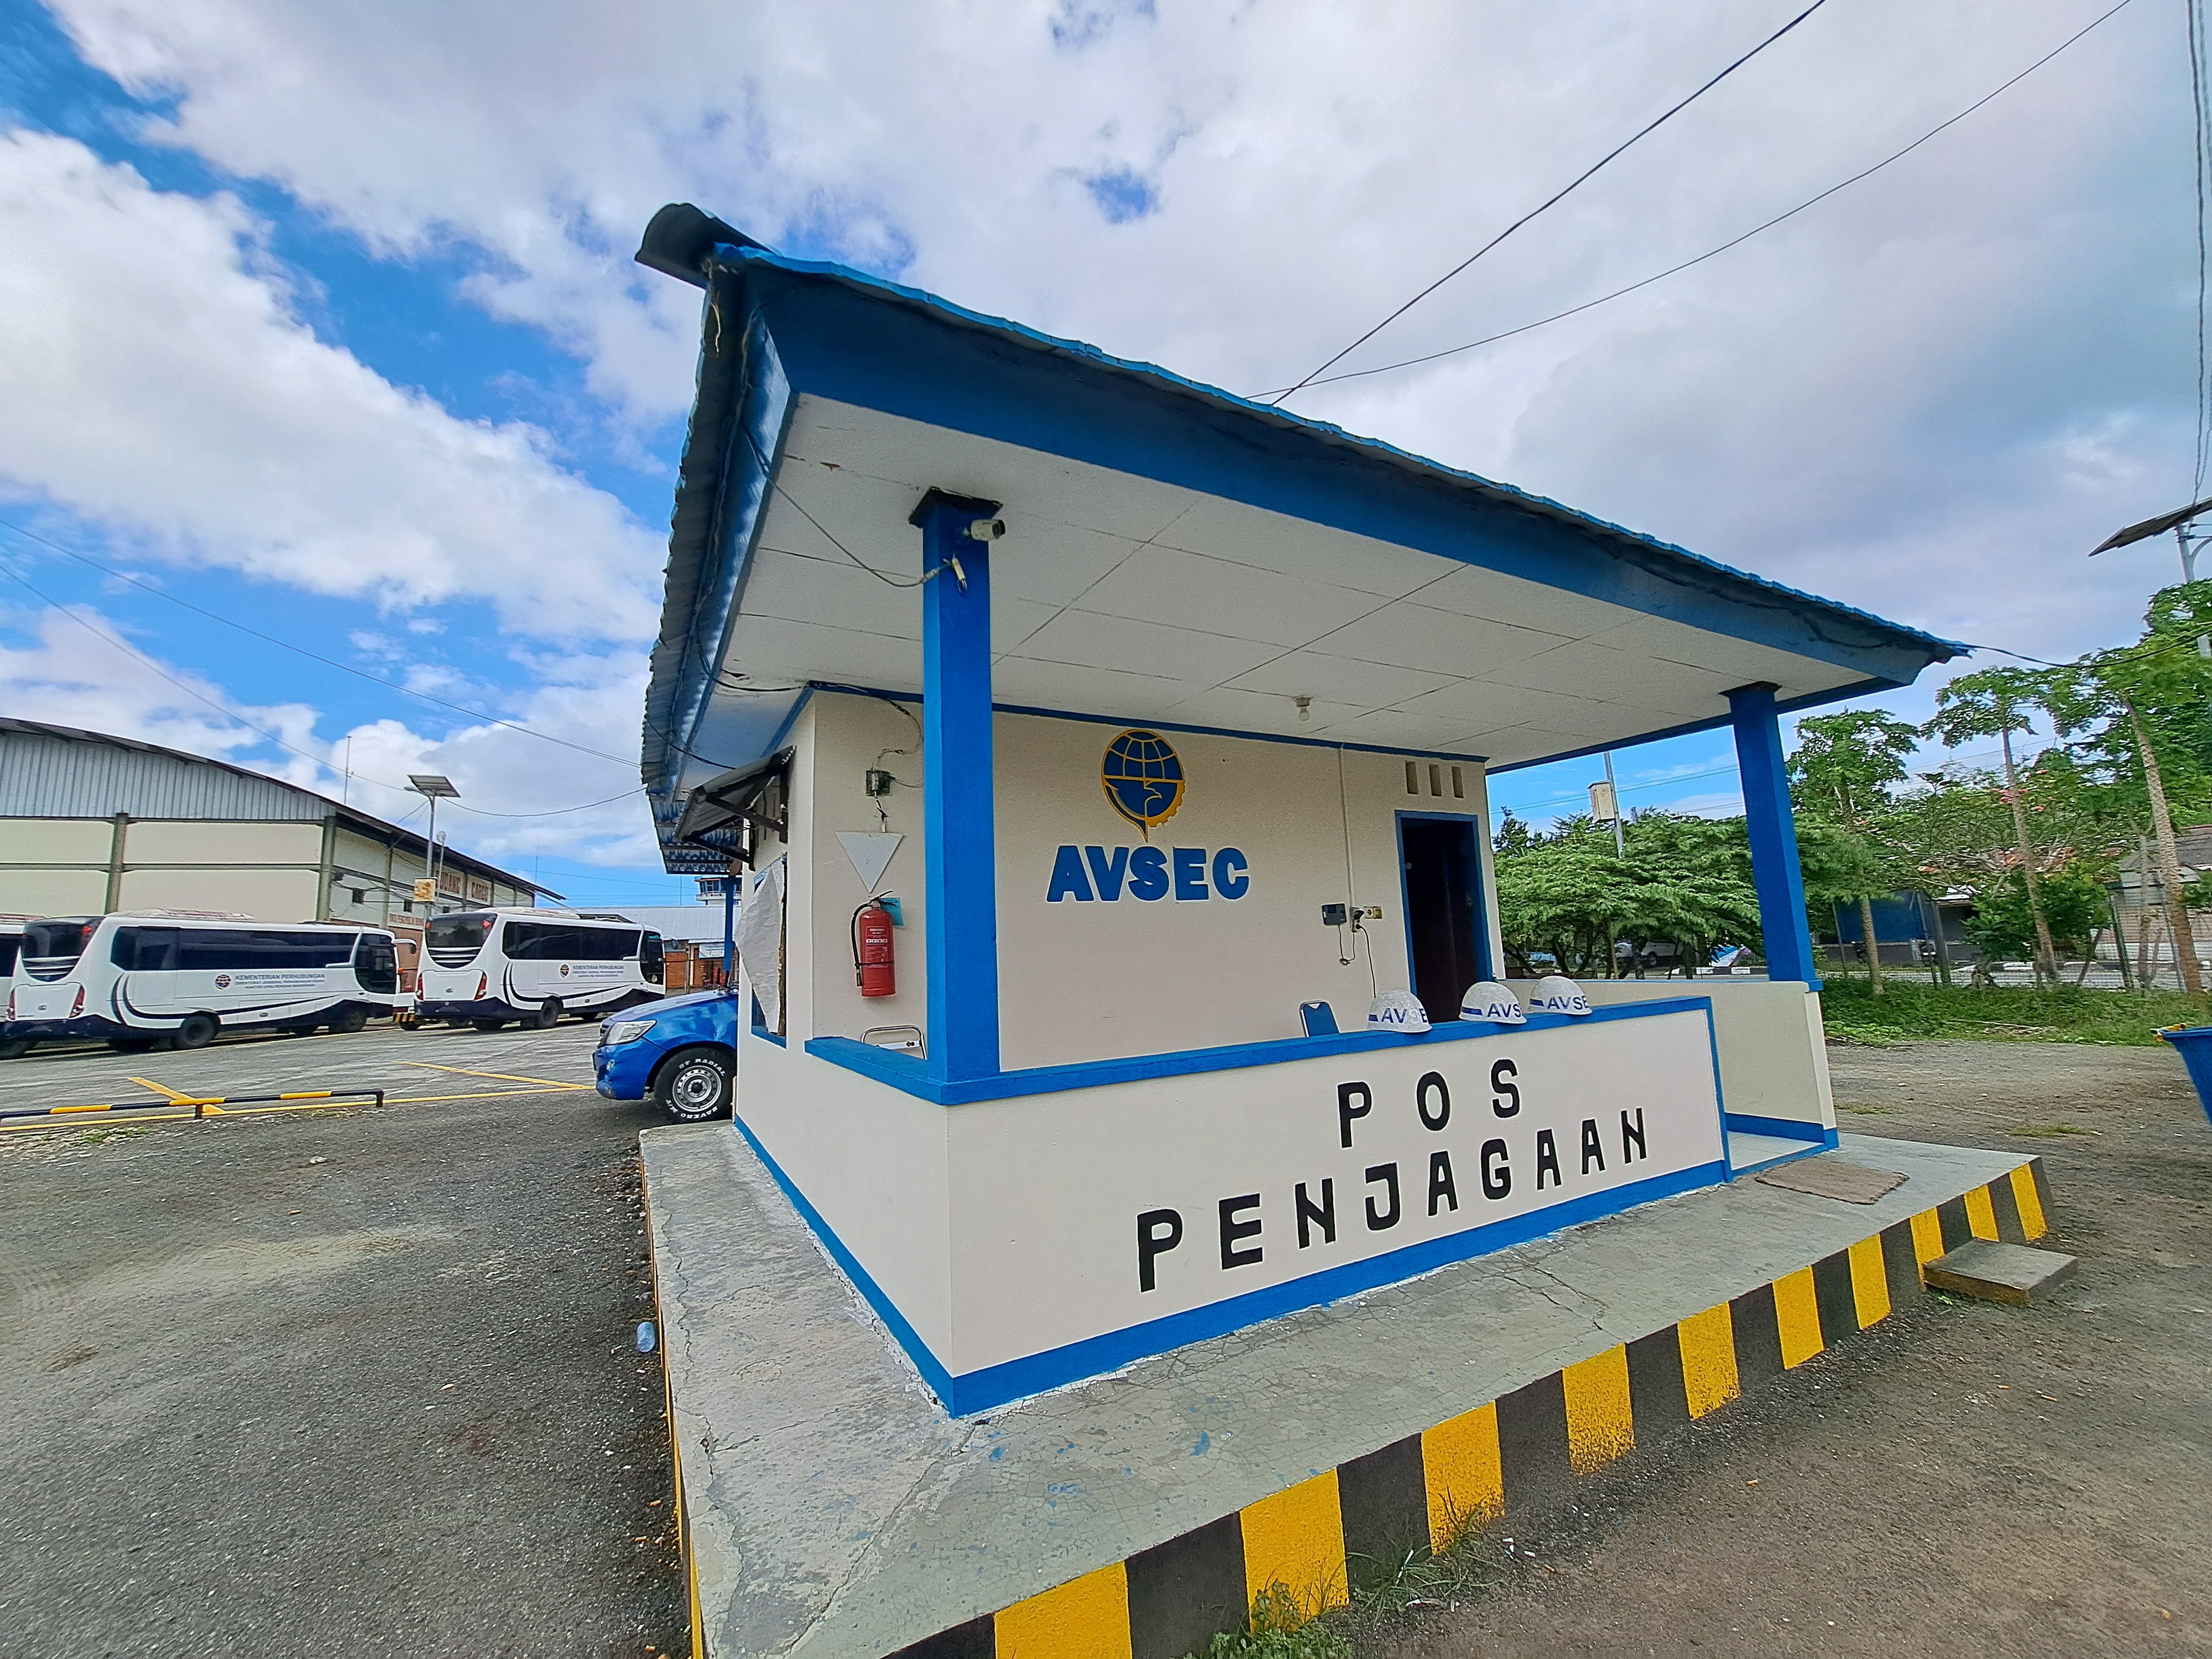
(1144, 782)
(1143, 778)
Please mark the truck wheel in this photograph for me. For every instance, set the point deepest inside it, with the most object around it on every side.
(693, 1086)
(132, 1045)
(351, 1018)
(547, 1015)
(197, 1031)
(487, 1024)
(15, 1048)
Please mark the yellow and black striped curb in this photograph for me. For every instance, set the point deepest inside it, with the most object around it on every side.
(1305, 1549)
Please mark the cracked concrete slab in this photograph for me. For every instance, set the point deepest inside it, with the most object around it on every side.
(835, 1510)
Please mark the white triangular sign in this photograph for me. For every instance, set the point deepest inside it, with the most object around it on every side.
(871, 855)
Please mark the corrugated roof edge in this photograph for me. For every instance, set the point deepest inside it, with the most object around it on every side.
(1167, 378)
(78, 733)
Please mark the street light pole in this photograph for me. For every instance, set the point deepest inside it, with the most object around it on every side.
(433, 787)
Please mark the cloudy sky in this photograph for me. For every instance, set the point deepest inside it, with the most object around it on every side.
(321, 319)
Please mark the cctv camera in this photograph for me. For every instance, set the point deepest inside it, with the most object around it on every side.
(987, 530)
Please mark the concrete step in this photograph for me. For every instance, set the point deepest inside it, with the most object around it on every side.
(1999, 1273)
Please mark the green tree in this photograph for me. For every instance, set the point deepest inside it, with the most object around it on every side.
(1570, 898)
(1995, 703)
(2139, 714)
(1840, 778)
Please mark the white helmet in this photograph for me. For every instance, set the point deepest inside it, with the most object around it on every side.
(1397, 1011)
(1555, 993)
(1486, 999)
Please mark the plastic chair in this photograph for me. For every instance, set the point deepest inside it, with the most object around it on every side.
(1318, 1018)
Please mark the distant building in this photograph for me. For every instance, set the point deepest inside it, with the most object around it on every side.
(90, 823)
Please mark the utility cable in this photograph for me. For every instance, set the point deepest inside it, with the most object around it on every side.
(1553, 200)
(2196, 55)
(313, 656)
(1711, 254)
(321, 763)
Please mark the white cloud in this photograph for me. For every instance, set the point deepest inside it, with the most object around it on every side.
(69, 669)
(1921, 396)
(155, 381)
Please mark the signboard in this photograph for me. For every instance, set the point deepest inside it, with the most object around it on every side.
(425, 891)
(1179, 1197)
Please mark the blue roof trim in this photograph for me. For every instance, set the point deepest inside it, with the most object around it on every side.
(774, 328)
(734, 258)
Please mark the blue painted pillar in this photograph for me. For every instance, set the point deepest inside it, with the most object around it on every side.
(958, 823)
(1774, 870)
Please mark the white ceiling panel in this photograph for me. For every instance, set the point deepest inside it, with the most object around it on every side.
(1272, 541)
(889, 446)
(1481, 704)
(1119, 597)
(1412, 635)
(1588, 669)
(1143, 647)
(1084, 690)
(1339, 679)
(1475, 591)
(1391, 729)
(868, 515)
(1052, 562)
(1740, 662)
(776, 651)
(1165, 585)
(1012, 621)
(807, 589)
(1256, 711)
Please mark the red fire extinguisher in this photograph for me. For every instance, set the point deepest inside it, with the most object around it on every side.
(874, 969)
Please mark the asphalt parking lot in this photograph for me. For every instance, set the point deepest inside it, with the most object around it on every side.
(337, 1380)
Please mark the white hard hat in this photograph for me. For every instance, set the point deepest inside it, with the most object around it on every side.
(1397, 1011)
(1487, 999)
(1555, 993)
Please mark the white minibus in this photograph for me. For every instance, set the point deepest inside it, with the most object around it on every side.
(484, 968)
(150, 979)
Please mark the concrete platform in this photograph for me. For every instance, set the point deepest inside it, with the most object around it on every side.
(833, 1509)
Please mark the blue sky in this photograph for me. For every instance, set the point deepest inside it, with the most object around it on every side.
(324, 322)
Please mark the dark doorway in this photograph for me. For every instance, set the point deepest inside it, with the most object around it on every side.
(1443, 900)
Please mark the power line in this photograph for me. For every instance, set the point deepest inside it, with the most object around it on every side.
(2196, 91)
(554, 812)
(1545, 206)
(313, 656)
(2205, 391)
(321, 763)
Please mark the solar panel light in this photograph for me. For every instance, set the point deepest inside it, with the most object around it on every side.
(2178, 521)
(433, 784)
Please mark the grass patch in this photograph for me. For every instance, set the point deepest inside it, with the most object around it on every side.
(1910, 1011)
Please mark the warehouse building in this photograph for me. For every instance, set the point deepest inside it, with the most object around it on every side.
(90, 823)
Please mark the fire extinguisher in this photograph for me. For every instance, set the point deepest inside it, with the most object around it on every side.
(874, 969)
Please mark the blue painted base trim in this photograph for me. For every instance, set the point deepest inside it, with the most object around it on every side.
(767, 1036)
(1017, 1379)
(1788, 1129)
(940, 1381)
(904, 1072)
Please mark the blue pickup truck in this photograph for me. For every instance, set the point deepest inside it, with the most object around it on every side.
(681, 1052)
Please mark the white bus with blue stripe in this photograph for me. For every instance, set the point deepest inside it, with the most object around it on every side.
(489, 968)
(155, 979)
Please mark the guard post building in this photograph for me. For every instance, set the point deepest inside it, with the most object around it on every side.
(1164, 720)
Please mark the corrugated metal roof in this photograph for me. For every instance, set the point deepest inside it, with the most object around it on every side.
(64, 772)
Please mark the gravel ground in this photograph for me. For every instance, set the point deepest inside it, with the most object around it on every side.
(345, 1381)
(1964, 1477)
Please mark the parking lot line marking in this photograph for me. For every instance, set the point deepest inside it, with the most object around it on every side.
(504, 1077)
(316, 1103)
(157, 1088)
